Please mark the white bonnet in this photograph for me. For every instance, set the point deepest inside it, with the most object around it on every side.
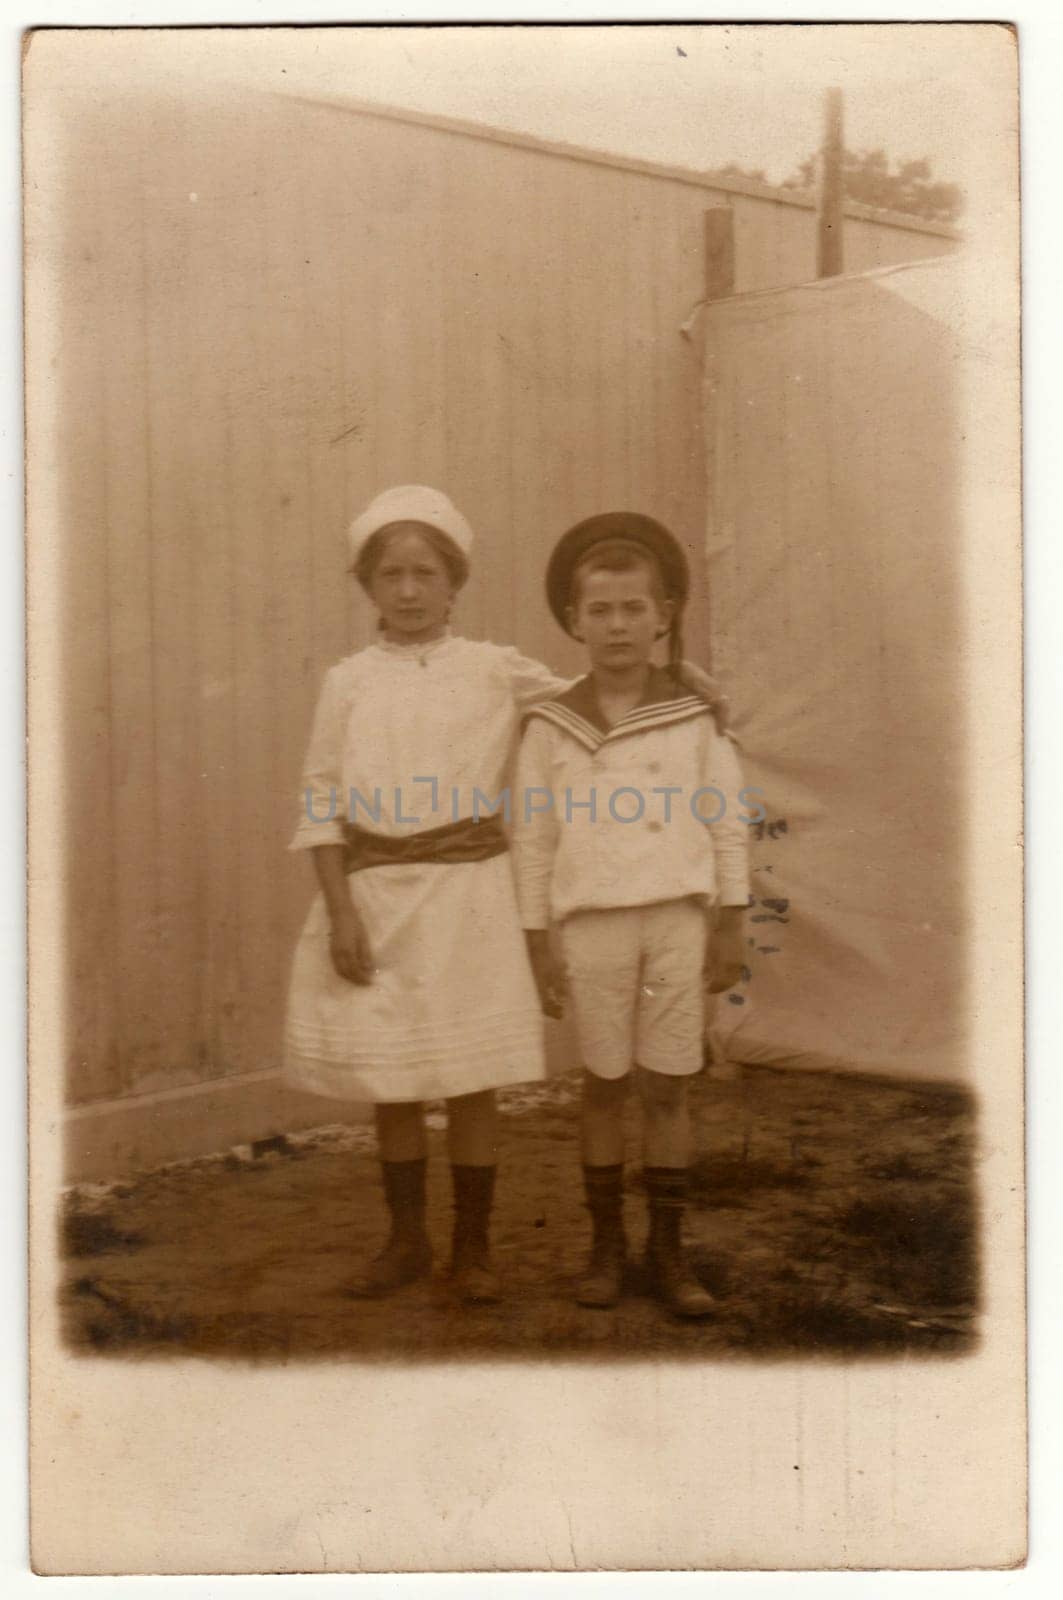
(409, 502)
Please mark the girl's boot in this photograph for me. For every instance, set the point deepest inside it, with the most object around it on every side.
(603, 1281)
(475, 1280)
(671, 1274)
(407, 1255)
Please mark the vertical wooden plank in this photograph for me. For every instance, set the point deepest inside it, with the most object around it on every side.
(621, 439)
(566, 398)
(682, 419)
(339, 319)
(431, 161)
(483, 356)
(506, 373)
(830, 195)
(775, 244)
(576, 390)
(652, 351)
(719, 252)
(598, 291)
(638, 400)
(658, 379)
(169, 233)
(92, 1065)
(408, 164)
(318, 427)
(216, 272)
(575, 424)
(687, 403)
(564, 385)
(748, 246)
(253, 426)
(129, 492)
(540, 416)
(561, 410)
(325, 426)
(368, 232)
(393, 238)
(342, 487)
(293, 403)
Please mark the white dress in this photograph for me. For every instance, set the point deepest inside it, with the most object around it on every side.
(452, 1007)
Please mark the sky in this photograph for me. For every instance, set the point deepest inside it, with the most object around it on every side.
(686, 95)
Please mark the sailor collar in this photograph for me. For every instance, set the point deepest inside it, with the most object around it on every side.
(578, 713)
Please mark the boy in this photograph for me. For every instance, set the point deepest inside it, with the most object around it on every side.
(627, 830)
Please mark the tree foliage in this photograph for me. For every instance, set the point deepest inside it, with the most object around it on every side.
(870, 179)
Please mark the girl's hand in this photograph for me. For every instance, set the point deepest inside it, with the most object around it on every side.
(709, 690)
(548, 972)
(725, 954)
(349, 947)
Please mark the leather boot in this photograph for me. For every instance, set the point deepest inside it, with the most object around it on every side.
(474, 1278)
(671, 1275)
(602, 1283)
(407, 1255)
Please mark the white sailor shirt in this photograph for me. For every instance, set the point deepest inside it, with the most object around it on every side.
(648, 809)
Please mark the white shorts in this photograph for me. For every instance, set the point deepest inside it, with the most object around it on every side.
(635, 986)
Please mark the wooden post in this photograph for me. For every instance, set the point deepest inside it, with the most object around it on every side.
(830, 210)
(719, 253)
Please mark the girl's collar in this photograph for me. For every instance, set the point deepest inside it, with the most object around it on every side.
(421, 651)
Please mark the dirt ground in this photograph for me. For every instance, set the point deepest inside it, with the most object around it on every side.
(831, 1215)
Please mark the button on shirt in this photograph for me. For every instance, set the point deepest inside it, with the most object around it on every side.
(649, 809)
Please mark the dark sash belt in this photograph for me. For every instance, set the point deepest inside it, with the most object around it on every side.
(454, 843)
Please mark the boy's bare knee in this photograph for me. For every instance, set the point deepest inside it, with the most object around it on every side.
(400, 1130)
(661, 1092)
(604, 1092)
(398, 1113)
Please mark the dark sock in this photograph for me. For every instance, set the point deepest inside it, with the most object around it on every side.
(404, 1191)
(474, 1189)
(666, 1191)
(604, 1188)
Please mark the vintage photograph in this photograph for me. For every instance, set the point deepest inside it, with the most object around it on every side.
(500, 535)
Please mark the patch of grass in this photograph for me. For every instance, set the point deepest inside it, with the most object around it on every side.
(244, 1333)
(733, 1180)
(121, 1324)
(809, 1321)
(922, 1245)
(944, 1101)
(96, 1234)
(900, 1168)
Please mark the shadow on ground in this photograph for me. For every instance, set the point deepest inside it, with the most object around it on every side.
(831, 1215)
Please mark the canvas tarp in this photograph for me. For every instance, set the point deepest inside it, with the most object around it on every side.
(834, 417)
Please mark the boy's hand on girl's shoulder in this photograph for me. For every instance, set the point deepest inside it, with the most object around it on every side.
(725, 952)
(349, 947)
(548, 972)
(707, 689)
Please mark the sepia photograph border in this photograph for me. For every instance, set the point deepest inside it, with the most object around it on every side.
(961, 1414)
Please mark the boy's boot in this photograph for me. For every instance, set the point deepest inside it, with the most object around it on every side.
(671, 1274)
(407, 1255)
(474, 1277)
(601, 1284)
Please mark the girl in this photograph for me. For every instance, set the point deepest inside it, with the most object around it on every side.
(410, 979)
